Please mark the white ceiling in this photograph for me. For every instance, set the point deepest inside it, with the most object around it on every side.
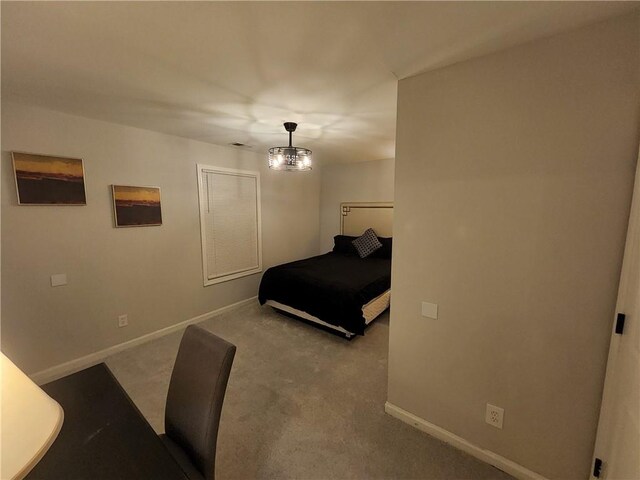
(225, 72)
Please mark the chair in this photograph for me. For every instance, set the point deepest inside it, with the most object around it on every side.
(194, 402)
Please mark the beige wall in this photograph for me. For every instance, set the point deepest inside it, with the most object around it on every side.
(352, 182)
(153, 274)
(514, 175)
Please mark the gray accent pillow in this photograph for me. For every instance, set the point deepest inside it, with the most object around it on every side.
(367, 243)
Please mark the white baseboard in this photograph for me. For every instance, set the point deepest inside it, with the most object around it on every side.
(460, 443)
(81, 363)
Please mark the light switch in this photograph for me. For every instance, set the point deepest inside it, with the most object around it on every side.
(58, 279)
(430, 310)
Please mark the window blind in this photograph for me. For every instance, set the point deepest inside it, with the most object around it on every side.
(230, 220)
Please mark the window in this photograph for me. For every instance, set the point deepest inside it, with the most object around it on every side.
(229, 223)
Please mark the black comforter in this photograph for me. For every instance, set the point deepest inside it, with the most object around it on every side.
(332, 287)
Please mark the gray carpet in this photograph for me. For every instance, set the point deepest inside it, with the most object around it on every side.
(301, 404)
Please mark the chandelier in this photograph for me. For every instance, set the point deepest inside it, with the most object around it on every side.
(290, 158)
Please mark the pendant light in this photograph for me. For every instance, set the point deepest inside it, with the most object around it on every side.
(290, 158)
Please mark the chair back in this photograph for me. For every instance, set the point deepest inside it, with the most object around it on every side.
(196, 392)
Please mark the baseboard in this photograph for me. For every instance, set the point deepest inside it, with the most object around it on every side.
(460, 443)
(81, 363)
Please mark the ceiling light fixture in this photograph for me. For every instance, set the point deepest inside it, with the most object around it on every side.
(290, 158)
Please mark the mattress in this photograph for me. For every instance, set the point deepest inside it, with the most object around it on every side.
(333, 288)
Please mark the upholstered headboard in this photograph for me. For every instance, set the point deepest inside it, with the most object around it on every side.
(356, 217)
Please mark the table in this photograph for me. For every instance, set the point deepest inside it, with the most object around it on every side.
(104, 435)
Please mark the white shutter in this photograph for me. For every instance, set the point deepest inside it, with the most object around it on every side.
(230, 223)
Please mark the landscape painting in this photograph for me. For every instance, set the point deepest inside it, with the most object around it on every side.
(48, 180)
(136, 206)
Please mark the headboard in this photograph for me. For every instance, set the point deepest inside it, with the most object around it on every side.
(356, 217)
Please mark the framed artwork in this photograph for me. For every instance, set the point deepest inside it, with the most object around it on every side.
(136, 206)
(48, 180)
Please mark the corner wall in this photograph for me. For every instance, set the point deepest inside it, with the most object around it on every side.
(514, 175)
(351, 182)
(154, 274)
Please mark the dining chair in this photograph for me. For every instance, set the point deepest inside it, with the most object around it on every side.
(194, 401)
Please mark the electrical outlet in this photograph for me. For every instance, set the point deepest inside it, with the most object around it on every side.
(494, 416)
(123, 320)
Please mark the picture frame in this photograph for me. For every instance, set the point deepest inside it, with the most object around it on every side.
(136, 206)
(48, 179)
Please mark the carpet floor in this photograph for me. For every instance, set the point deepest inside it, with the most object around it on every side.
(301, 404)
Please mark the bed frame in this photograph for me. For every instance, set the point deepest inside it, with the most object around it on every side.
(355, 218)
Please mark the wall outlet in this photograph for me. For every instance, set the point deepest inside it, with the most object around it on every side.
(494, 416)
(123, 320)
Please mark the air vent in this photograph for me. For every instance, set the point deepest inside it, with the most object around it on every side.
(238, 144)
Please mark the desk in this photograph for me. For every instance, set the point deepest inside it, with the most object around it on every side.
(104, 435)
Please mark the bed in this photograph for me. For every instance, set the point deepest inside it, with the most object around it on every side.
(338, 290)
